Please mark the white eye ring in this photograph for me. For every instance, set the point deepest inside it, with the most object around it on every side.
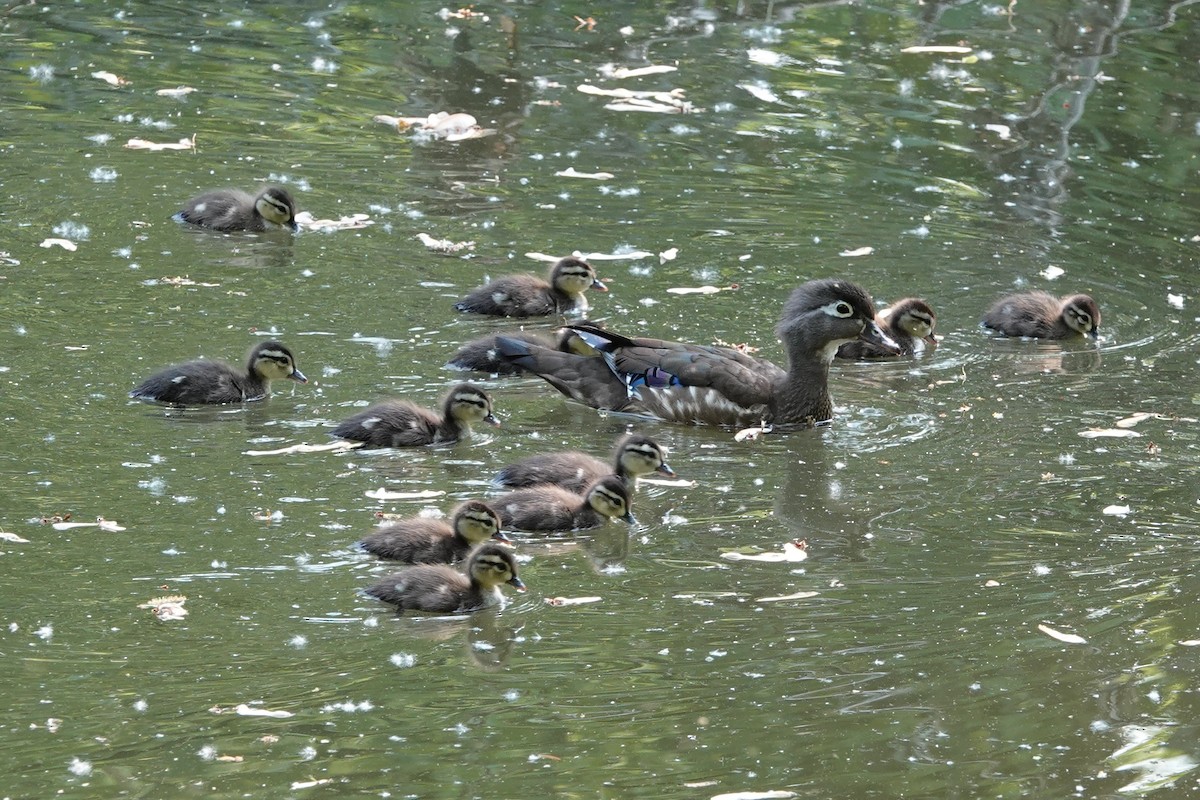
(839, 308)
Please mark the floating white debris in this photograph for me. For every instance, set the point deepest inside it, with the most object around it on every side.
(609, 71)
(1117, 511)
(167, 608)
(760, 92)
(110, 78)
(101, 523)
(306, 448)
(144, 144)
(12, 537)
(702, 289)
(773, 794)
(861, 251)
(1175, 300)
(751, 433)
(1003, 131)
(385, 494)
(310, 783)
(1109, 433)
(796, 596)
(306, 221)
(1051, 272)
(571, 172)
(948, 49)
(667, 482)
(571, 601)
(632, 255)
(243, 710)
(178, 93)
(454, 127)
(65, 244)
(792, 551)
(1190, 643)
(1068, 638)
(668, 255)
(444, 245)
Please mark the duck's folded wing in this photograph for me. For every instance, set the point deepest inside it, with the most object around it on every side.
(739, 378)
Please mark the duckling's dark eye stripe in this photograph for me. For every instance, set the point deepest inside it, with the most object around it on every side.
(470, 399)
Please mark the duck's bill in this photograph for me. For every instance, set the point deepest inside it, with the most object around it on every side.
(665, 470)
(517, 584)
(298, 376)
(630, 518)
(501, 536)
(598, 286)
(873, 335)
(492, 420)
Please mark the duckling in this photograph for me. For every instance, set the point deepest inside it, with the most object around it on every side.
(633, 456)
(906, 321)
(214, 382)
(551, 508)
(443, 589)
(480, 354)
(530, 296)
(400, 423)
(235, 210)
(1041, 315)
(703, 384)
(420, 540)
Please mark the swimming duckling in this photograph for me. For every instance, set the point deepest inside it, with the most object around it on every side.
(633, 456)
(531, 296)
(1041, 315)
(400, 423)
(420, 540)
(235, 210)
(207, 381)
(703, 384)
(481, 355)
(437, 587)
(906, 321)
(551, 508)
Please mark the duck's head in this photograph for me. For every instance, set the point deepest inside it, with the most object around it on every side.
(641, 455)
(477, 522)
(275, 204)
(492, 565)
(574, 276)
(914, 317)
(1081, 314)
(468, 404)
(821, 315)
(608, 496)
(271, 361)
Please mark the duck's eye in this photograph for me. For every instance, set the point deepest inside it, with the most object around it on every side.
(840, 308)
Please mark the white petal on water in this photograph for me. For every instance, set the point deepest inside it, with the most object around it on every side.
(385, 494)
(773, 794)
(1051, 272)
(1117, 511)
(571, 172)
(1109, 433)
(1175, 300)
(796, 596)
(1068, 638)
(860, 251)
(243, 710)
(12, 537)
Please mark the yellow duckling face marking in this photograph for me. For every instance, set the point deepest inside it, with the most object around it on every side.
(1082, 315)
(272, 361)
(469, 404)
(276, 206)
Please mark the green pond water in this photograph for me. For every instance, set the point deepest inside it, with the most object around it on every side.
(994, 604)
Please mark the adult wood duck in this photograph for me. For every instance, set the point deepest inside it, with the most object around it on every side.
(235, 210)
(633, 456)
(420, 540)
(212, 382)
(906, 322)
(443, 589)
(1041, 315)
(400, 423)
(531, 296)
(550, 508)
(481, 355)
(704, 384)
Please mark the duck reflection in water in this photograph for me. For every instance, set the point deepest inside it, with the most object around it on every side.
(815, 505)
